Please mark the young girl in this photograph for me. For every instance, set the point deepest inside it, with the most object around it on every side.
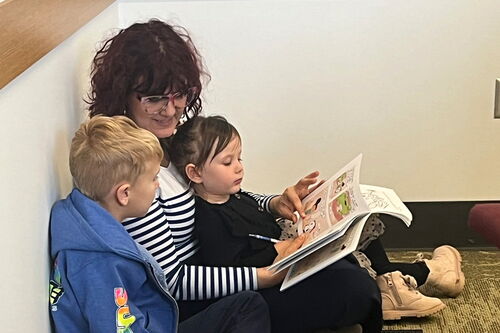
(208, 150)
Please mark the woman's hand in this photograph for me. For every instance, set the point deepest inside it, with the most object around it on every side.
(291, 200)
(266, 278)
(282, 247)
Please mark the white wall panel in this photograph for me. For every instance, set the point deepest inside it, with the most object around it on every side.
(310, 84)
(40, 110)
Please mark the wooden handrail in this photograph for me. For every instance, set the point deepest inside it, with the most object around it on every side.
(29, 29)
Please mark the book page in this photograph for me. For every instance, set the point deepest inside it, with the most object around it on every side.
(334, 204)
(380, 200)
(325, 256)
(310, 248)
(383, 200)
(330, 209)
(336, 213)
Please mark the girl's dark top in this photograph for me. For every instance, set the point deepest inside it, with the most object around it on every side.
(222, 231)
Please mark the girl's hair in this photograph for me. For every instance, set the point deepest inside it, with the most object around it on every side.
(194, 140)
(108, 150)
(146, 58)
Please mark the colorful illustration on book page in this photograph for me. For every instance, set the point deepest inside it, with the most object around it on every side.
(341, 206)
(315, 220)
(344, 181)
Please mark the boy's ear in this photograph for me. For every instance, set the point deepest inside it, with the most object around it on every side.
(122, 194)
(192, 173)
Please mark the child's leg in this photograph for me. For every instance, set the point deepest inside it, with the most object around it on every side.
(440, 276)
(340, 295)
(245, 312)
(381, 264)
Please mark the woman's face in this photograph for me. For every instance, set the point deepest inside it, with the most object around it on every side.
(162, 123)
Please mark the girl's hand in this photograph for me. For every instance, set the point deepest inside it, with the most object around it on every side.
(265, 277)
(290, 201)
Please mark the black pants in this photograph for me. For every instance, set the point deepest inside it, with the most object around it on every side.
(245, 312)
(340, 295)
(381, 264)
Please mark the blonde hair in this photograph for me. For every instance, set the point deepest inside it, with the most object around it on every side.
(108, 150)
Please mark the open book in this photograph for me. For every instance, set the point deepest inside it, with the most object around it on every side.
(336, 213)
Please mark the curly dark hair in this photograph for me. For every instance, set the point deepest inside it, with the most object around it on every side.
(146, 58)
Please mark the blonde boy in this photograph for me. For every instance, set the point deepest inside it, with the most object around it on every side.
(115, 163)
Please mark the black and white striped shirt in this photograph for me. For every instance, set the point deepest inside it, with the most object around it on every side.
(167, 233)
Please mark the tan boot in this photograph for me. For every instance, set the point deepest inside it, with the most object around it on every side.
(400, 297)
(445, 273)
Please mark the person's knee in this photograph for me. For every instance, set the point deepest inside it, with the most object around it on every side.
(252, 314)
(367, 302)
(252, 300)
(367, 284)
(364, 288)
(357, 294)
(360, 291)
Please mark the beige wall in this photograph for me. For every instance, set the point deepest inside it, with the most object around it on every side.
(40, 111)
(310, 84)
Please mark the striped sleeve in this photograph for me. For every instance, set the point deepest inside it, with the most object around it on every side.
(200, 282)
(167, 233)
(262, 200)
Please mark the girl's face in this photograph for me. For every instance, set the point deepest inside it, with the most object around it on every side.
(161, 122)
(223, 175)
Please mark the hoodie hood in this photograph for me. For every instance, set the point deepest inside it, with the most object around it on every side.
(82, 224)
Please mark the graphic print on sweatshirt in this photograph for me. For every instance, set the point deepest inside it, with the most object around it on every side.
(124, 319)
(56, 289)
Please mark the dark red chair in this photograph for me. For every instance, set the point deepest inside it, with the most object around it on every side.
(485, 219)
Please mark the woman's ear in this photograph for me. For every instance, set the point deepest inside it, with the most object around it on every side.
(123, 194)
(192, 173)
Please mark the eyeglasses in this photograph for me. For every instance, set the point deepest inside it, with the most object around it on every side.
(158, 103)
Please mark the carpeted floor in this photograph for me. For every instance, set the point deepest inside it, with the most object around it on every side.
(476, 310)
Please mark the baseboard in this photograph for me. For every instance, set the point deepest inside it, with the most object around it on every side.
(434, 223)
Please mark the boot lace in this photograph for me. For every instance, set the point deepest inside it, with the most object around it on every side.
(419, 258)
(410, 282)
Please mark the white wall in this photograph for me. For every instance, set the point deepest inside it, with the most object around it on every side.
(310, 84)
(40, 111)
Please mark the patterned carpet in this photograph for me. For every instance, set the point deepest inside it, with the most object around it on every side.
(476, 310)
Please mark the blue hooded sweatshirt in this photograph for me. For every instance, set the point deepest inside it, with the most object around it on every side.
(102, 281)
